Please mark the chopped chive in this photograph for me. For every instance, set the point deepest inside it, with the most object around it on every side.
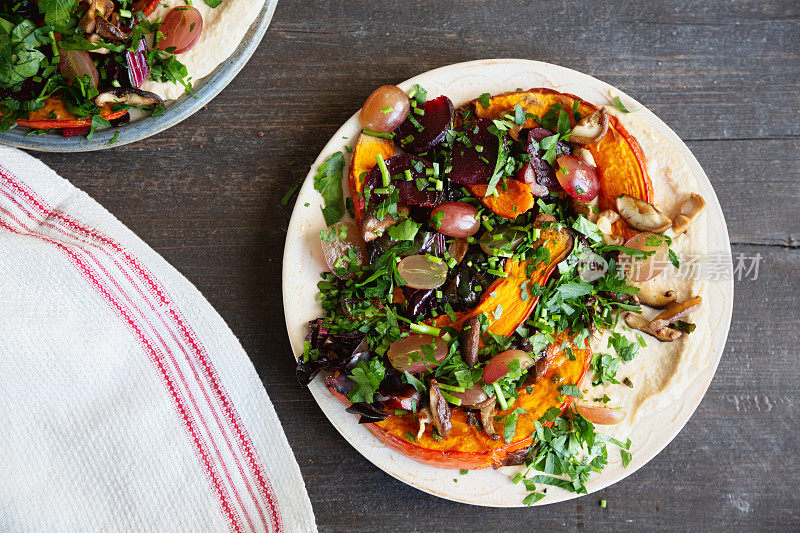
(500, 398)
(425, 329)
(386, 110)
(383, 169)
(450, 398)
(451, 387)
(379, 134)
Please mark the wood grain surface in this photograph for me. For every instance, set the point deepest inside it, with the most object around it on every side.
(724, 75)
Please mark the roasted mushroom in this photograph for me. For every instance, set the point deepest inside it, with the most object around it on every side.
(94, 38)
(605, 223)
(134, 97)
(585, 155)
(487, 417)
(655, 299)
(88, 21)
(458, 249)
(108, 30)
(690, 210)
(440, 410)
(372, 228)
(590, 129)
(424, 418)
(665, 334)
(675, 311)
(641, 215)
(470, 341)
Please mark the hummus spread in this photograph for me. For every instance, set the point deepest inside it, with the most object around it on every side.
(662, 371)
(224, 27)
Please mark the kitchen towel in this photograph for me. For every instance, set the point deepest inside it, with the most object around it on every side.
(127, 402)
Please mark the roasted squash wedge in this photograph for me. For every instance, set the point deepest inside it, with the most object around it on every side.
(367, 147)
(618, 156)
(470, 448)
(54, 115)
(510, 202)
(511, 294)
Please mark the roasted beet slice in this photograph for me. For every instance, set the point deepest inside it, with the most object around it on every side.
(433, 126)
(408, 191)
(545, 174)
(474, 160)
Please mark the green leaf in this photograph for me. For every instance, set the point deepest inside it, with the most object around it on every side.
(368, 376)
(484, 99)
(97, 122)
(570, 390)
(406, 230)
(574, 289)
(328, 182)
(289, 194)
(57, 11)
(213, 3)
(532, 498)
(673, 258)
(511, 424)
(626, 457)
(619, 105)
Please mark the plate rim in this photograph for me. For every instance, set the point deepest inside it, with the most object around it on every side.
(210, 86)
(336, 143)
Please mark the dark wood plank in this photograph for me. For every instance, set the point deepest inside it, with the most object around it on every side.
(724, 75)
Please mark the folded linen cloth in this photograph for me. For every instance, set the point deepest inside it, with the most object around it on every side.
(127, 402)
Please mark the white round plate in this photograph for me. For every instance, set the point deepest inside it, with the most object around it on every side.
(303, 263)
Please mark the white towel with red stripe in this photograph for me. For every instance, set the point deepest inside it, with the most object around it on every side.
(127, 402)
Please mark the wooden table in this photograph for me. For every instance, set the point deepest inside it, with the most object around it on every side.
(725, 75)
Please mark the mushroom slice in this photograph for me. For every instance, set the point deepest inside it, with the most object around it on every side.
(515, 458)
(94, 38)
(470, 341)
(656, 299)
(135, 97)
(424, 418)
(372, 228)
(690, 210)
(108, 31)
(605, 223)
(641, 215)
(585, 155)
(89, 19)
(458, 249)
(676, 311)
(487, 417)
(591, 129)
(665, 334)
(440, 410)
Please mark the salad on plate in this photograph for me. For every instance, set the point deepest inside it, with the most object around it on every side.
(73, 66)
(505, 287)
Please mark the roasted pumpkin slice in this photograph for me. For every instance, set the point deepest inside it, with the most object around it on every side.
(54, 115)
(507, 302)
(619, 158)
(510, 202)
(470, 448)
(364, 159)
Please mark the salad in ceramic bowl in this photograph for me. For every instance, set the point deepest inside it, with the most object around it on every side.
(72, 67)
(507, 294)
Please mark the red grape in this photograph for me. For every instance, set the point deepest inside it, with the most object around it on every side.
(458, 219)
(181, 28)
(577, 178)
(385, 109)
